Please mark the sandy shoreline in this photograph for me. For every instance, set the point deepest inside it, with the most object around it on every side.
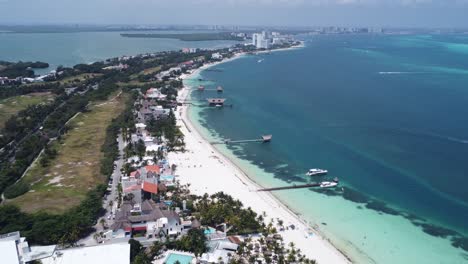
(209, 171)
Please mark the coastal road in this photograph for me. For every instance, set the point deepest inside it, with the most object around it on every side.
(112, 196)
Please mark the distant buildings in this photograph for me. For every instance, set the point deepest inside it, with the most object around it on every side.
(119, 67)
(261, 40)
(266, 39)
(189, 50)
(216, 56)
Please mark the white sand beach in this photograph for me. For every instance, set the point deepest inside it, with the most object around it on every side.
(208, 171)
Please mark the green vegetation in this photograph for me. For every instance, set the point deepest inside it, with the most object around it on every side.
(45, 229)
(194, 242)
(187, 36)
(222, 208)
(20, 69)
(167, 127)
(61, 182)
(12, 105)
(76, 79)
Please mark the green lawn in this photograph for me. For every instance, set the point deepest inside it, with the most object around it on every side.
(78, 78)
(135, 83)
(76, 169)
(12, 105)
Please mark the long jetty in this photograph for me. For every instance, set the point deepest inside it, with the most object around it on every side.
(237, 141)
(314, 184)
(264, 139)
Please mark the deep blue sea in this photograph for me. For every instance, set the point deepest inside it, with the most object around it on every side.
(387, 115)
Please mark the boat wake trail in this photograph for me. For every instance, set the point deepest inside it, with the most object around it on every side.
(399, 72)
(433, 135)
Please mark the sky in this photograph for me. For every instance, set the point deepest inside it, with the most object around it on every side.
(372, 13)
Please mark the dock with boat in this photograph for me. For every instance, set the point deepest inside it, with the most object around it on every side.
(218, 89)
(323, 184)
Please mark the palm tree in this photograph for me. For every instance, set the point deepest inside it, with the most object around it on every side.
(103, 223)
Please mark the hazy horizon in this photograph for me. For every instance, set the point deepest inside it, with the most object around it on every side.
(370, 13)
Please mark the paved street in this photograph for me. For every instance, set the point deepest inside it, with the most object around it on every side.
(112, 196)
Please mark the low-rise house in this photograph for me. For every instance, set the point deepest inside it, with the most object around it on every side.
(119, 67)
(155, 220)
(140, 127)
(216, 56)
(167, 180)
(219, 250)
(148, 111)
(154, 93)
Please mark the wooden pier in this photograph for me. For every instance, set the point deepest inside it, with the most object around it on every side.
(264, 139)
(300, 186)
(214, 70)
(218, 89)
(314, 184)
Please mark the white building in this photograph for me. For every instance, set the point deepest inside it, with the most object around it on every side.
(219, 250)
(118, 253)
(216, 56)
(261, 41)
(14, 249)
(254, 39)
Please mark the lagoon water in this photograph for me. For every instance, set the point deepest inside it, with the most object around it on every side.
(69, 49)
(387, 115)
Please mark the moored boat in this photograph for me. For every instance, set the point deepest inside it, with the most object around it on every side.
(328, 184)
(316, 172)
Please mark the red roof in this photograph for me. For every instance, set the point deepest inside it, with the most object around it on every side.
(134, 173)
(132, 188)
(152, 168)
(139, 228)
(150, 187)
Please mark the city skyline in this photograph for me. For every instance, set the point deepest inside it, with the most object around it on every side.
(372, 13)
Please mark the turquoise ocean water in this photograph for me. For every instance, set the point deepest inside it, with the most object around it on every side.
(387, 115)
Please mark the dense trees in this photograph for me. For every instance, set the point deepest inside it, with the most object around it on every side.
(43, 228)
(20, 69)
(194, 242)
(30, 88)
(167, 127)
(221, 208)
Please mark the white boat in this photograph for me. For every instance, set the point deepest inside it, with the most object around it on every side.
(327, 184)
(260, 60)
(316, 172)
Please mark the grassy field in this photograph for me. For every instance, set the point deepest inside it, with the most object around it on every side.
(78, 78)
(151, 70)
(12, 105)
(135, 83)
(76, 169)
(145, 72)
